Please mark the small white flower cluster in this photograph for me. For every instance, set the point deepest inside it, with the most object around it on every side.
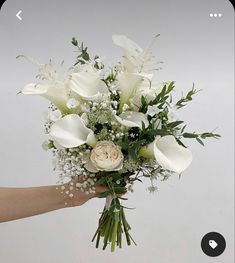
(52, 115)
(72, 103)
(70, 165)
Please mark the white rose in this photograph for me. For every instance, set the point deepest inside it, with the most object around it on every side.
(105, 156)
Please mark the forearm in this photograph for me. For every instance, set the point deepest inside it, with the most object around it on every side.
(18, 203)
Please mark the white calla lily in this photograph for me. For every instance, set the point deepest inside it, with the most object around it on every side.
(132, 119)
(168, 153)
(88, 85)
(70, 131)
(49, 86)
(54, 92)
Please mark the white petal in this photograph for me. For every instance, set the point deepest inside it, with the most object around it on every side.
(88, 85)
(70, 131)
(90, 167)
(132, 119)
(36, 89)
(127, 44)
(170, 155)
(54, 92)
(132, 52)
(128, 84)
(54, 115)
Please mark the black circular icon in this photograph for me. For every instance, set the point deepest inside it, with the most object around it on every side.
(213, 244)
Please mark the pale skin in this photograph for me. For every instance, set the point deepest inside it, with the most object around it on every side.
(16, 203)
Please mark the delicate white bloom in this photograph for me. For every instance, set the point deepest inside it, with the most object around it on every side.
(88, 85)
(70, 131)
(125, 107)
(149, 90)
(114, 103)
(72, 103)
(131, 51)
(99, 61)
(49, 87)
(127, 84)
(105, 156)
(54, 115)
(152, 110)
(132, 119)
(168, 153)
(136, 60)
(85, 107)
(113, 87)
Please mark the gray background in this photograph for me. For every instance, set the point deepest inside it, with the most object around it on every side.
(168, 225)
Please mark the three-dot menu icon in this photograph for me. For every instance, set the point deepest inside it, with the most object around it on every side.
(215, 15)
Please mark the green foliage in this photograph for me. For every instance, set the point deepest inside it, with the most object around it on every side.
(160, 100)
(202, 136)
(185, 99)
(110, 78)
(83, 55)
(131, 148)
(149, 133)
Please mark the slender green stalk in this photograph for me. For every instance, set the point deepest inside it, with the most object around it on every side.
(112, 226)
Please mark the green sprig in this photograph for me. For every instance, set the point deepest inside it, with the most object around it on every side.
(185, 99)
(202, 136)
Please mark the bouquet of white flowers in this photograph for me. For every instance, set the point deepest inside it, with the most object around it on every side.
(112, 127)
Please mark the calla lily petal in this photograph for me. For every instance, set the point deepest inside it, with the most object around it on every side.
(88, 85)
(170, 155)
(70, 131)
(54, 92)
(132, 119)
(132, 52)
(136, 60)
(127, 44)
(36, 89)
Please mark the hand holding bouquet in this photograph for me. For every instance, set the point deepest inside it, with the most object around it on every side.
(112, 127)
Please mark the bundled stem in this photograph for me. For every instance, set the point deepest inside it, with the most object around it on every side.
(112, 225)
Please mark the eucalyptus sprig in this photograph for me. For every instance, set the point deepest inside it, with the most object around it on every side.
(160, 99)
(199, 137)
(185, 99)
(83, 56)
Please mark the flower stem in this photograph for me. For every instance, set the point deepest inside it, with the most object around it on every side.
(112, 225)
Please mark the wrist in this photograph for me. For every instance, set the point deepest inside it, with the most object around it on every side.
(68, 195)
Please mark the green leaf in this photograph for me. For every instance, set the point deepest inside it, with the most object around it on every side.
(104, 194)
(190, 135)
(209, 135)
(200, 141)
(120, 190)
(74, 42)
(180, 143)
(185, 99)
(85, 55)
(173, 124)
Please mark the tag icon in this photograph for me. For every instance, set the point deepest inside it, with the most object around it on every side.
(213, 244)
